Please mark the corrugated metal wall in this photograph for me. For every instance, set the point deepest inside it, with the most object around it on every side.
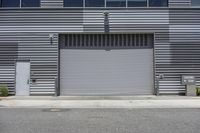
(184, 56)
(128, 21)
(51, 3)
(43, 57)
(8, 55)
(179, 3)
(30, 29)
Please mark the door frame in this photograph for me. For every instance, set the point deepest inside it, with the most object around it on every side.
(153, 60)
(15, 63)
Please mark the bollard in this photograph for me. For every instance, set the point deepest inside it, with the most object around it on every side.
(157, 85)
(56, 86)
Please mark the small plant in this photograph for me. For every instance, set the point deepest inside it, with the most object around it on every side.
(198, 90)
(3, 90)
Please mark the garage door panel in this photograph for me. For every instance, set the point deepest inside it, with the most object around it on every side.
(106, 72)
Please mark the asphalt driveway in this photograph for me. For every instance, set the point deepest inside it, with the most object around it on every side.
(48, 120)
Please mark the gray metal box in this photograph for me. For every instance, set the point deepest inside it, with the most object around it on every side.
(188, 80)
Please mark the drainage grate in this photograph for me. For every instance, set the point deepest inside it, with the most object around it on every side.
(55, 110)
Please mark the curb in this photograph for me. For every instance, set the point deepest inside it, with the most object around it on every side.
(100, 103)
(52, 98)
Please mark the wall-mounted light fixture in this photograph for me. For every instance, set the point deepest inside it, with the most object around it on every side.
(51, 37)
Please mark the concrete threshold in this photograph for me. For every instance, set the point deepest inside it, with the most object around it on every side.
(101, 102)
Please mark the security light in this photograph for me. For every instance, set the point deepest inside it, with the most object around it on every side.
(51, 36)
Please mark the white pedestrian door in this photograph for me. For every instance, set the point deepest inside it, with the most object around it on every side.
(22, 78)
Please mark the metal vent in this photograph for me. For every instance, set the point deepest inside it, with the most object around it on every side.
(107, 41)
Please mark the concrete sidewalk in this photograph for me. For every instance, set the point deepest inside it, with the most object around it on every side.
(100, 102)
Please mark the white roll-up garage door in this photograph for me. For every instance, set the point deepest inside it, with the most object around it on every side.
(100, 64)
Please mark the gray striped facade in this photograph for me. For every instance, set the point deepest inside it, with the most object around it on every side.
(179, 3)
(24, 35)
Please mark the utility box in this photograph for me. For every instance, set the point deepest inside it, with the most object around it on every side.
(190, 83)
(188, 80)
